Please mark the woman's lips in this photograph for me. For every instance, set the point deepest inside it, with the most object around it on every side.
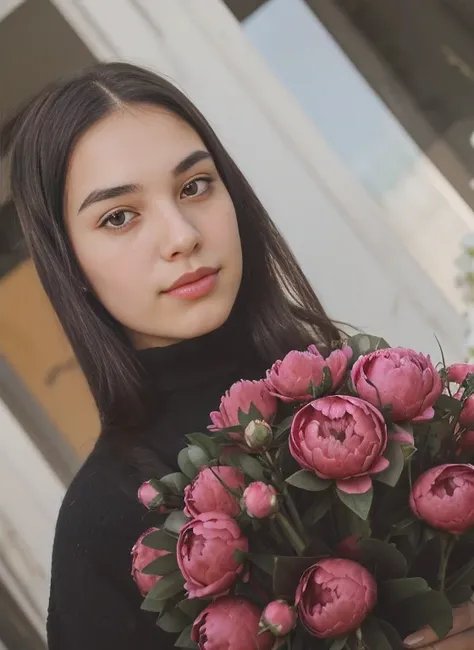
(195, 288)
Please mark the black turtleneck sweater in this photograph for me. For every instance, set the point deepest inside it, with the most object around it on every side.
(94, 603)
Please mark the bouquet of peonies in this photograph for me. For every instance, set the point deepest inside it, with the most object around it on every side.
(330, 506)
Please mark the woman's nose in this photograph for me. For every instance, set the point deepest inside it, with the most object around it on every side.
(179, 236)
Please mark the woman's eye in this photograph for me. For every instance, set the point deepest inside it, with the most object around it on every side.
(196, 187)
(118, 219)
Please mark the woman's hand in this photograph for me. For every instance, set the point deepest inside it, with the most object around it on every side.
(461, 637)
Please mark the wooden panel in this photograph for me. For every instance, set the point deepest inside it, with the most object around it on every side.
(32, 341)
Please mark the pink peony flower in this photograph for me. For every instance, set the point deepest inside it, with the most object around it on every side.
(290, 379)
(342, 438)
(230, 623)
(205, 554)
(240, 396)
(459, 371)
(444, 497)
(334, 596)
(207, 494)
(399, 377)
(260, 500)
(279, 618)
(142, 556)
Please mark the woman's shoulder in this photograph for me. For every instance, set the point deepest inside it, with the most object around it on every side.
(99, 505)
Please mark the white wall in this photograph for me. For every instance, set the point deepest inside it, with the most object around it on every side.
(30, 495)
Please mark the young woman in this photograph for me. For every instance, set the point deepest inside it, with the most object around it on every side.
(171, 283)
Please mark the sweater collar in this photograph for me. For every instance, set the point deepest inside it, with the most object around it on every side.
(198, 361)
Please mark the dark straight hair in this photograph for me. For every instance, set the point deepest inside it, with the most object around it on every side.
(277, 300)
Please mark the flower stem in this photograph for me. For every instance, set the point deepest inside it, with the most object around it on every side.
(293, 511)
(447, 545)
(290, 504)
(290, 533)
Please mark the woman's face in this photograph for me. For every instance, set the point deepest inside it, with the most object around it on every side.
(153, 226)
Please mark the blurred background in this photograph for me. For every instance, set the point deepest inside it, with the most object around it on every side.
(354, 122)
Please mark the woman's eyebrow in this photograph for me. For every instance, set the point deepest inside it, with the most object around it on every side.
(191, 160)
(106, 193)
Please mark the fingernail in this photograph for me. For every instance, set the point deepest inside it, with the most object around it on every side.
(413, 640)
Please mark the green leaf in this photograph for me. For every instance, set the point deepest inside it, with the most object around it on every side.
(185, 464)
(373, 635)
(394, 591)
(153, 604)
(193, 607)
(382, 559)
(175, 482)
(248, 464)
(459, 595)
(363, 344)
(262, 561)
(160, 540)
(234, 429)
(464, 576)
(450, 404)
(317, 548)
(326, 383)
(240, 556)
(198, 456)
(431, 608)
(317, 510)
(395, 456)
(283, 427)
(168, 586)
(204, 441)
(358, 503)
(184, 640)
(162, 566)
(403, 527)
(253, 414)
(305, 480)
(173, 622)
(175, 521)
(338, 644)
(392, 635)
(287, 573)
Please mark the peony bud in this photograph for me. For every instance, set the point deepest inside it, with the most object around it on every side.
(258, 435)
(230, 622)
(142, 556)
(278, 617)
(260, 500)
(150, 496)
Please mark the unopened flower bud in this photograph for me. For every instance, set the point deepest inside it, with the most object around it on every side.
(278, 617)
(260, 500)
(150, 496)
(258, 435)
